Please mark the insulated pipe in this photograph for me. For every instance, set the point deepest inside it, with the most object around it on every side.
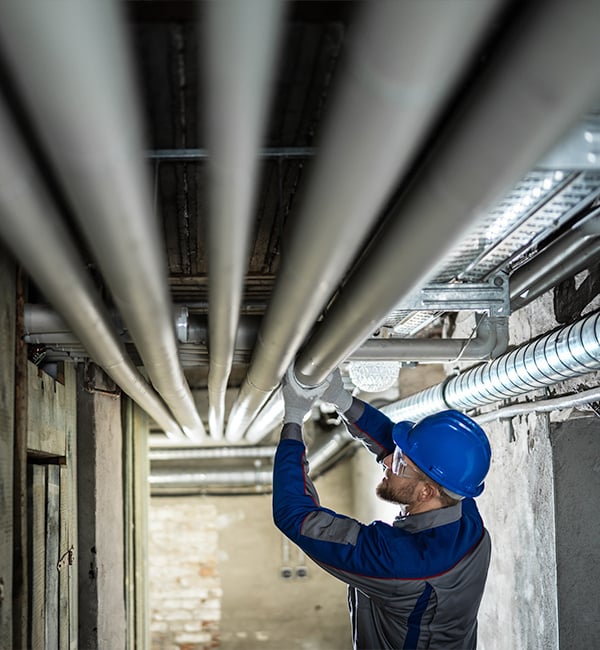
(541, 406)
(566, 353)
(37, 236)
(211, 453)
(529, 95)
(178, 477)
(241, 39)
(89, 129)
(404, 63)
(270, 416)
(44, 326)
(491, 340)
(569, 254)
(237, 478)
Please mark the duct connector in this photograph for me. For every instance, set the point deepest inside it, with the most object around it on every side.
(564, 354)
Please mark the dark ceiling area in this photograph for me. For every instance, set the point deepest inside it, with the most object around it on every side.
(168, 52)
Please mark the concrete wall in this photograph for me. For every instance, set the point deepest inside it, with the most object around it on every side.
(576, 456)
(521, 607)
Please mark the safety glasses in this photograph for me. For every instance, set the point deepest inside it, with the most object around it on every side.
(401, 468)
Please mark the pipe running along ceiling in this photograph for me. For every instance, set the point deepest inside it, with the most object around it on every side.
(202, 197)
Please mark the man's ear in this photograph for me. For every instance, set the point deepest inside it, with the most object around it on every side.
(427, 492)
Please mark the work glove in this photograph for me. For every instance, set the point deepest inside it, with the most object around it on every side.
(336, 394)
(299, 399)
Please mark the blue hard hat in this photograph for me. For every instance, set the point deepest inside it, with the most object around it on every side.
(450, 447)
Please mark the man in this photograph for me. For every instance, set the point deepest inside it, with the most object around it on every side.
(414, 584)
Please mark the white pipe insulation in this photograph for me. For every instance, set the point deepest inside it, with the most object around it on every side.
(70, 63)
(37, 236)
(530, 95)
(406, 58)
(241, 44)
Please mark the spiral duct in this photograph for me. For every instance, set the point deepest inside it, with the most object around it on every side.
(564, 354)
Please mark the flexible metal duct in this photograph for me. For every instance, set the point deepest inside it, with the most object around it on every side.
(527, 98)
(404, 63)
(95, 145)
(568, 352)
(28, 217)
(241, 39)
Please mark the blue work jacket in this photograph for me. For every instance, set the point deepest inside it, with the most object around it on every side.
(416, 583)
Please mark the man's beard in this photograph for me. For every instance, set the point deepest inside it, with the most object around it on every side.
(402, 495)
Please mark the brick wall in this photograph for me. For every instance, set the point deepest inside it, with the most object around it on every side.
(185, 587)
(215, 568)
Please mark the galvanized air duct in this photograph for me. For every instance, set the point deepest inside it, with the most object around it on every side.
(70, 63)
(569, 254)
(37, 236)
(530, 94)
(566, 353)
(241, 40)
(405, 61)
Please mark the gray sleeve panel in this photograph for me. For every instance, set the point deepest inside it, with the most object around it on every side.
(291, 431)
(329, 528)
(355, 411)
(371, 445)
(309, 486)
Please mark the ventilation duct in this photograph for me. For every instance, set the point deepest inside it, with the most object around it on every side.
(564, 354)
